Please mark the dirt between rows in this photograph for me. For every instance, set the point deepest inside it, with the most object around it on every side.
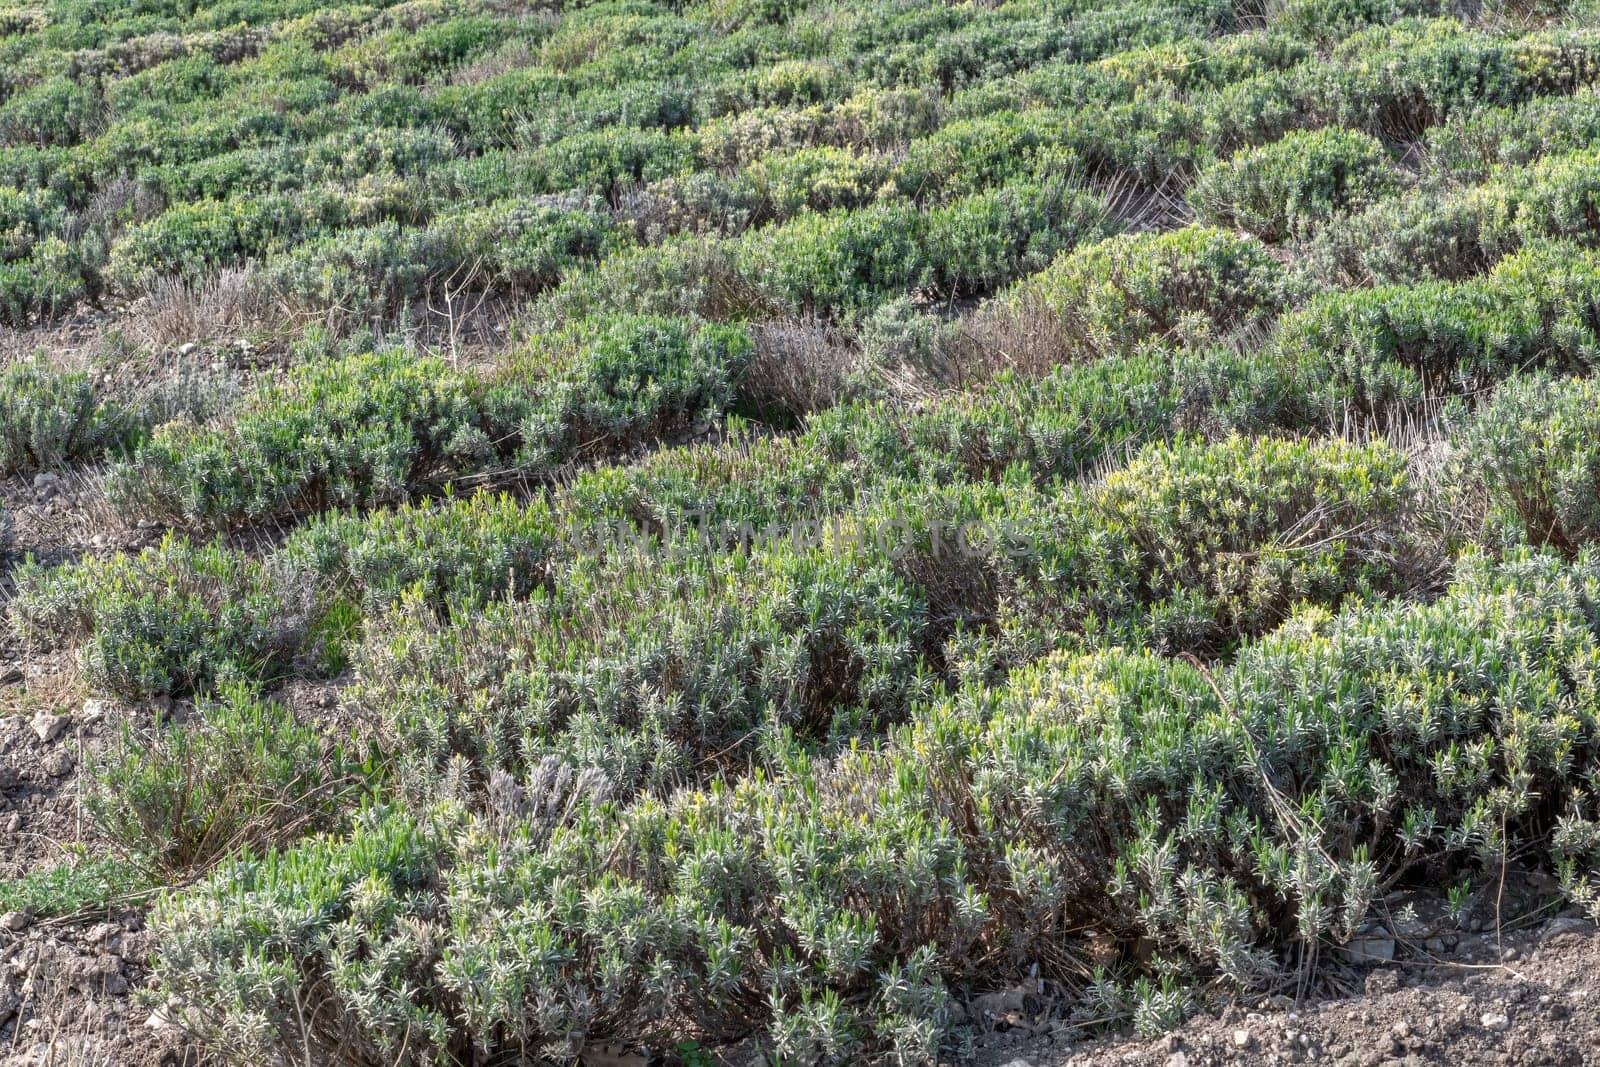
(1534, 999)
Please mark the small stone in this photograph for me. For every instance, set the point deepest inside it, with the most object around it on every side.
(48, 726)
(58, 764)
(187, 348)
(1178, 1059)
(1562, 927)
(95, 709)
(1242, 1039)
(15, 921)
(13, 822)
(1381, 981)
(1018, 1062)
(1496, 1021)
(1370, 947)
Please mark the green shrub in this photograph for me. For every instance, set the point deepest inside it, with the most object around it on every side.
(603, 162)
(457, 551)
(1331, 20)
(45, 285)
(844, 263)
(1421, 236)
(358, 274)
(192, 240)
(1193, 65)
(174, 619)
(838, 263)
(1296, 185)
(1334, 757)
(1471, 145)
(1453, 235)
(383, 428)
(51, 417)
(609, 382)
(839, 931)
(982, 242)
(1397, 81)
(1192, 547)
(526, 246)
(507, 250)
(243, 776)
(25, 217)
(690, 275)
(964, 157)
(1190, 285)
(58, 111)
(353, 432)
(657, 663)
(1378, 350)
(1532, 449)
(1016, 428)
(819, 179)
(1120, 798)
(73, 888)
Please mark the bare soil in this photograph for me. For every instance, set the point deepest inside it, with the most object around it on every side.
(1527, 997)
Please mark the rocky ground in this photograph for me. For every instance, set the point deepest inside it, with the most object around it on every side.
(66, 981)
(1530, 996)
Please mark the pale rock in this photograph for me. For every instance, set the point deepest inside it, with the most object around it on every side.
(1562, 927)
(1370, 947)
(47, 726)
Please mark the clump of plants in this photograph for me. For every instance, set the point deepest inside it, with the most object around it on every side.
(1454, 234)
(659, 664)
(175, 619)
(1189, 285)
(606, 383)
(52, 417)
(1239, 817)
(354, 431)
(1295, 185)
(1192, 547)
(1375, 352)
(244, 775)
(456, 551)
(1531, 450)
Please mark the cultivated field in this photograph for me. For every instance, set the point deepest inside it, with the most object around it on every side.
(792, 532)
